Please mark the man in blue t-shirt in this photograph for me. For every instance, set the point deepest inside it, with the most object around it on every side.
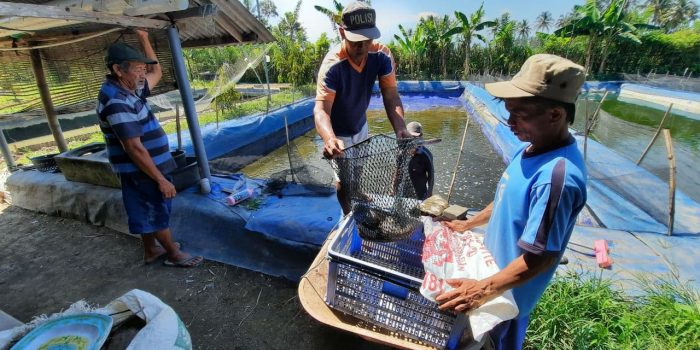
(538, 196)
(344, 86)
(138, 149)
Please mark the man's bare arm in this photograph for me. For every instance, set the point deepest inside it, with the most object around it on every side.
(477, 220)
(394, 111)
(155, 72)
(470, 294)
(139, 155)
(332, 146)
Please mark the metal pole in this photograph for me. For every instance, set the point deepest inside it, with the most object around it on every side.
(190, 111)
(46, 100)
(671, 180)
(9, 161)
(289, 148)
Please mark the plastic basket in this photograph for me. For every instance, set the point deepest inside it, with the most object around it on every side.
(379, 283)
(45, 163)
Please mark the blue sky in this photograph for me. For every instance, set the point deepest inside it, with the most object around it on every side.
(391, 13)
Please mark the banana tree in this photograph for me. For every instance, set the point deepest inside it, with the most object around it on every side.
(435, 30)
(468, 28)
(605, 26)
(413, 44)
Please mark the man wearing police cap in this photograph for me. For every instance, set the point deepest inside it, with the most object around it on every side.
(344, 86)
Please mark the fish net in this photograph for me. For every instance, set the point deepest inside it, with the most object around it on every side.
(374, 174)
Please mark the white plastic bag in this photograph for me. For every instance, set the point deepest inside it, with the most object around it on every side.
(452, 255)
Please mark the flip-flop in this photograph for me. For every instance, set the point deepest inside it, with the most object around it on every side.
(161, 256)
(192, 261)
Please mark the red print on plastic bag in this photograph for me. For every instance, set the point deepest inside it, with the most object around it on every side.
(436, 249)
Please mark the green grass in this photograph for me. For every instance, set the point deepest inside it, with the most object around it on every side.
(579, 312)
(250, 107)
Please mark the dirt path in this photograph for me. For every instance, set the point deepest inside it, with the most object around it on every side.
(47, 263)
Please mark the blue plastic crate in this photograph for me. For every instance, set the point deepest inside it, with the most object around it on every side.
(379, 283)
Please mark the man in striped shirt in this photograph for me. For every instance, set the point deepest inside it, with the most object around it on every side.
(345, 82)
(138, 149)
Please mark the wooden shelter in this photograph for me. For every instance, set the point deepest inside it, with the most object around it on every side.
(57, 48)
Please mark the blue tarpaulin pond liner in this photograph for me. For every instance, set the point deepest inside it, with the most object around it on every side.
(282, 235)
(622, 195)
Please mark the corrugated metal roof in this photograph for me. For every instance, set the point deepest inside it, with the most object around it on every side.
(230, 23)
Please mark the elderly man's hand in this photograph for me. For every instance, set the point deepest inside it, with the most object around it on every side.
(459, 225)
(467, 295)
(333, 147)
(141, 32)
(167, 189)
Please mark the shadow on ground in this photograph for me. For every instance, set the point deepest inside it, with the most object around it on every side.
(47, 263)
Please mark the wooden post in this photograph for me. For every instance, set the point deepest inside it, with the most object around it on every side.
(6, 153)
(594, 118)
(656, 135)
(55, 127)
(671, 180)
(459, 157)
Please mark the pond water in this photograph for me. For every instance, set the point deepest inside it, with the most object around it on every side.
(479, 169)
(627, 129)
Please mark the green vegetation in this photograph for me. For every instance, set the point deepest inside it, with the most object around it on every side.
(682, 128)
(584, 312)
(257, 105)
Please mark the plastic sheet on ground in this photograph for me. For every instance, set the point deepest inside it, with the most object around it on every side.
(204, 224)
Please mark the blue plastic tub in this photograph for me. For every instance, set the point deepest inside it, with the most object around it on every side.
(379, 283)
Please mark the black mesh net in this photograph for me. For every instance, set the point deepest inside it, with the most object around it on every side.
(374, 173)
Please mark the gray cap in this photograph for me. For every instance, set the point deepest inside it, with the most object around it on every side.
(121, 52)
(415, 129)
(359, 22)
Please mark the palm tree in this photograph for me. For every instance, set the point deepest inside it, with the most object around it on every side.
(468, 28)
(289, 25)
(543, 21)
(335, 16)
(523, 29)
(658, 8)
(680, 12)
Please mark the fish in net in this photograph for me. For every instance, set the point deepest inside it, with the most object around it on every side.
(374, 173)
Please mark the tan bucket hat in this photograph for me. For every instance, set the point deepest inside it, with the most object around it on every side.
(543, 75)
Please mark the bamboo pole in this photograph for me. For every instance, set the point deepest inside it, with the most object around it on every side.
(656, 135)
(459, 157)
(45, 95)
(671, 180)
(594, 118)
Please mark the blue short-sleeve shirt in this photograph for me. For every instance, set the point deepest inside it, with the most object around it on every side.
(534, 210)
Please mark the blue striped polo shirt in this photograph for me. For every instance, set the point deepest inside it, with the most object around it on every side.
(349, 85)
(124, 115)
